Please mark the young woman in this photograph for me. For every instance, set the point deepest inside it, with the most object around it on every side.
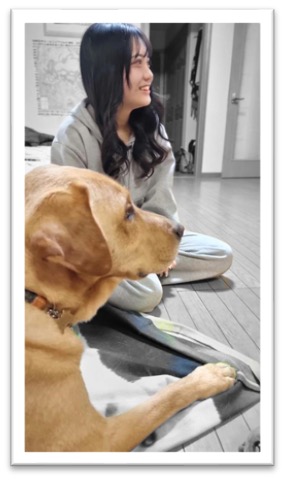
(117, 130)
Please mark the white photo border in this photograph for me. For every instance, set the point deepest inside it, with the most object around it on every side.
(19, 19)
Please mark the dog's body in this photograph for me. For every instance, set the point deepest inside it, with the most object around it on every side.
(83, 236)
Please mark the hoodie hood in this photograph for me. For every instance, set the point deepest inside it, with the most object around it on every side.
(84, 113)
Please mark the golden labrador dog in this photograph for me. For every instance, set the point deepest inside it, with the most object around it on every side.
(83, 236)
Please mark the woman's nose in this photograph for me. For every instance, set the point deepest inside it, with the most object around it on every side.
(148, 74)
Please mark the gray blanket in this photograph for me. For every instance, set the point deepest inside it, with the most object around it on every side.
(130, 356)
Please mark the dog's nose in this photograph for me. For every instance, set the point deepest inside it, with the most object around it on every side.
(178, 230)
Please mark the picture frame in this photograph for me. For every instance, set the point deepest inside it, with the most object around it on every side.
(65, 29)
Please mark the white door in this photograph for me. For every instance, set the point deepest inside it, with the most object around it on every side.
(242, 139)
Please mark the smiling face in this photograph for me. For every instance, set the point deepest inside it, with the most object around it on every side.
(137, 91)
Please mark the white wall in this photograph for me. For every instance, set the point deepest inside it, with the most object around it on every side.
(216, 106)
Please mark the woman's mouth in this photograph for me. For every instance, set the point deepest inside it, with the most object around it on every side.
(145, 89)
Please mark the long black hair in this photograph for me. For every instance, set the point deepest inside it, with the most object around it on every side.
(105, 56)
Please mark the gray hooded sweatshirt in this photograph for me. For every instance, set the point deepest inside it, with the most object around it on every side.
(78, 143)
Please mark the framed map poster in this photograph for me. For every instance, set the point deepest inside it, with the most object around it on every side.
(57, 76)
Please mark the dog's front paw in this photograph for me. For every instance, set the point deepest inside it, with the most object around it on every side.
(213, 378)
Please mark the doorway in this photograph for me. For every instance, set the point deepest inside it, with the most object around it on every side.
(242, 138)
(175, 47)
(168, 64)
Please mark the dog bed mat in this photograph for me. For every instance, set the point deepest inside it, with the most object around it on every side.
(130, 356)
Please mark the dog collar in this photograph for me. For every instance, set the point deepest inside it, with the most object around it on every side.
(43, 304)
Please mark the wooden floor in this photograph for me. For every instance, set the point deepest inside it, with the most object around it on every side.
(226, 308)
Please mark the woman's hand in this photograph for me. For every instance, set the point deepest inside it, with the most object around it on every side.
(165, 273)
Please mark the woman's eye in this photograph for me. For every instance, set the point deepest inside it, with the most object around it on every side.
(130, 214)
(139, 61)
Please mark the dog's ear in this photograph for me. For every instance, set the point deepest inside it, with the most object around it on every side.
(69, 235)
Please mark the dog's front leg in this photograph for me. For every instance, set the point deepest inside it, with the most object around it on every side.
(124, 432)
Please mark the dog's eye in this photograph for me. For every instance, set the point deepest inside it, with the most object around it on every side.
(130, 213)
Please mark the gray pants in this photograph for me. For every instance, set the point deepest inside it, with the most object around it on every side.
(200, 257)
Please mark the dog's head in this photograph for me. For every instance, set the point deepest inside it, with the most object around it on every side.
(81, 226)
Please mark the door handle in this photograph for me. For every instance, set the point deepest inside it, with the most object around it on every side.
(235, 99)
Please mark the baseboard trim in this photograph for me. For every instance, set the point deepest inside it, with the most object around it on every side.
(209, 174)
